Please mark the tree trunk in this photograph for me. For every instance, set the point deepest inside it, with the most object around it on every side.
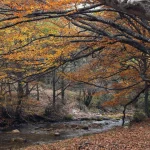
(20, 96)
(63, 92)
(54, 88)
(88, 98)
(145, 67)
(27, 90)
(38, 93)
(9, 90)
(1, 89)
(63, 87)
(146, 101)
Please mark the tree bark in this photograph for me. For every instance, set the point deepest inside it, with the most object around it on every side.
(54, 88)
(63, 87)
(146, 101)
(145, 68)
(38, 93)
(135, 99)
(27, 90)
(139, 8)
(20, 96)
(9, 90)
(63, 91)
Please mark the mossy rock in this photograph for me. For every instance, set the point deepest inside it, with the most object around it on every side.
(68, 117)
(85, 127)
(98, 119)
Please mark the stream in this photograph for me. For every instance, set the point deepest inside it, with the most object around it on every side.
(40, 133)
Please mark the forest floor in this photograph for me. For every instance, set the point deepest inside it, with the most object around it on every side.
(134, 137)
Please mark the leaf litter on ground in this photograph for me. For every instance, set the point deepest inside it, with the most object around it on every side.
(135, 137)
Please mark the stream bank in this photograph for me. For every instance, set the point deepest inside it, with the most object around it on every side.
(31, 134)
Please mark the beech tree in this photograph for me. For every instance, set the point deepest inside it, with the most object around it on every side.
(88, 17)
(140, 8)
(84, 28)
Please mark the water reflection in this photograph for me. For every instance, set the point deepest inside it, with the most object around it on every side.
(45, 133)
